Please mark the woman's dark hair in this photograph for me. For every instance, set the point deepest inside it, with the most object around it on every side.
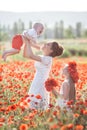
(57, 49)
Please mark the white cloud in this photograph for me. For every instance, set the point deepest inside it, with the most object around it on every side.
(42, 5)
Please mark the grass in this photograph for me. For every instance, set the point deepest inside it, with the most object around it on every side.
(78, 44)
(68, 44)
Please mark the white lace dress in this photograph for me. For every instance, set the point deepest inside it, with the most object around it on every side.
(37, 85)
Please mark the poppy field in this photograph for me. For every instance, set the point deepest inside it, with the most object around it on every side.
(15, 79)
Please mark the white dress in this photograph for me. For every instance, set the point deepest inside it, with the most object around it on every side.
(60, 101)
(37, 86)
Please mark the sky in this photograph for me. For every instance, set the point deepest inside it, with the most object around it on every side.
(43, 5)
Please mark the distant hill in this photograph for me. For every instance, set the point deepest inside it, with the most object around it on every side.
(69, 18)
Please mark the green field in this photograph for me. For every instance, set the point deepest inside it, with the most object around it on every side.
(72, 47)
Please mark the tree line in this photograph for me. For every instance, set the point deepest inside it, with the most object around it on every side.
(56, 32)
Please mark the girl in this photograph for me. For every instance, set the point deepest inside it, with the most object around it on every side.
(67, 90)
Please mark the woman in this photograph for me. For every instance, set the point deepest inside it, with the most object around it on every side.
(67, 92)
(43, 66)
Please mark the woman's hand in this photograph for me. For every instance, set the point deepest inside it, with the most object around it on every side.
(26, 35)
(26, 40)
(28, 53)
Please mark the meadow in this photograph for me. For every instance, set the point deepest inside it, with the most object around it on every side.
(72, 47)
(16, 76)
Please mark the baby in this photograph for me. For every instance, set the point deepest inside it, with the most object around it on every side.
(17, 41)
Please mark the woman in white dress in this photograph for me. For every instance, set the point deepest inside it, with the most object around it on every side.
(67, 92)
(43, 66)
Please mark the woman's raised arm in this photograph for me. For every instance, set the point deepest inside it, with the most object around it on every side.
(28, 53)
(31, 41)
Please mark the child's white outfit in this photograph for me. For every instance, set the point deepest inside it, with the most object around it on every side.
(17, 40)
(31, 32)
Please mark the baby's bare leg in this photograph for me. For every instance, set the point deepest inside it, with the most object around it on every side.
(9, 52)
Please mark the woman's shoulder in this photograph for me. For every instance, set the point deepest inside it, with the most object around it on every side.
(46, 59)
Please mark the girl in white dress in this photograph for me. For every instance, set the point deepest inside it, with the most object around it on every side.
(43, 66)
(67, 91)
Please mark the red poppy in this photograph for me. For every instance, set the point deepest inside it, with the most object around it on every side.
(0, 78)
(38, 96)
(50, 84)
(54, 126)
(79, 127)
(2, 120)
(12, 107)
(70, 126)
(23, 127)
(49, 88)
(1, 68)
(64, 127)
